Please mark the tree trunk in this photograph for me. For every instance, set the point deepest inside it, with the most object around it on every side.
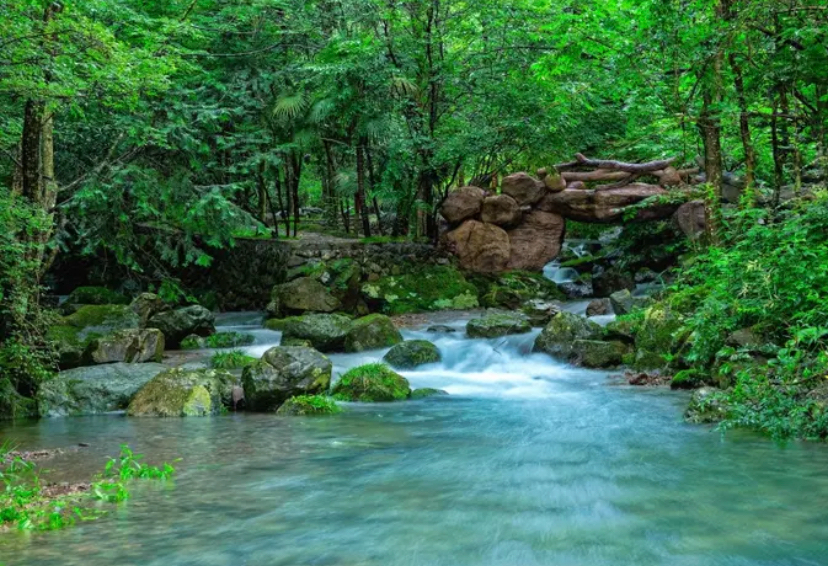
(372, 186)
(297, 176)
(359, 200)
(744, 126)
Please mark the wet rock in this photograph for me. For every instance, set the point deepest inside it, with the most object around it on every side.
(540, 312)
(536, 241)
(74, 335)
(597, 354)
(285, 372)
(372, 383)
(218, 340)
(301, 296)
(372, 332)
(501, 210)
(325, 331)
(562, 331)
(497, 325)
(412, 353)
(94, 390)
(605, 283)
(131, 346)
(480, 247)
(598, 307)
(147, 305)
(180, 323)
(441, 329)
(308, 405)
(622, 302)
(646, 378)
(706, 406)
(427, 392)
(692, 219)
(525, 189)
(184, 393)
(462, 204)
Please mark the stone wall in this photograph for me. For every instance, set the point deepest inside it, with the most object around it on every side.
(242, 277)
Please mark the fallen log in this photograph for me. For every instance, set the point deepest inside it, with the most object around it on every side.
(638, 168)
(599, 175)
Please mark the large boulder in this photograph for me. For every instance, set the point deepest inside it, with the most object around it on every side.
(74, 335)
(180, 323)
(501, 210)
(325, 331)
(282, 373)
(94, 390)
(607, 282)
(301, 296)
(372, 332)
(372, 383)
(411, 354)
(131, 346)
(563, 330)
(496, 325)
(598, 354)
(480, 247)
(524, 188)
(184, 393)
(462, 204)
(607, 205)
(147, 305)
(691, 219)
(426, 289)
(308, 405)
(536, 241)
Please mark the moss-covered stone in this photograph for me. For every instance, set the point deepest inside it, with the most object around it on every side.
(428, 289)
(300, 296)
(706, 406)
(309, 405)
(96, 296)
(13, 405)
(295, 342)
(77, 332)
(218, 340)
(513, 289)
(180, 323)
(131, 346)
(563, 330)
(372, 383)
(411, 354)
(372, 332)
(146, 305)
(427, 392)
(496, 325)
(325, 331)
(659, 333)
(184, 393)
(282, 373)
(597, 354)
(275, 324)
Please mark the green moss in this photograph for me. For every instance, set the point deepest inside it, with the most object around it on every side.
(427, 392)
(110, 317)
(512, 289)
(306, 405)
(275, 324)
(687, 379)
(231, 360)
(96, 296)
(372, 383)
(428, 289)
(181, 393)
(412, 353)
(372, 332)
(497, 325)
(198, 403)
(219, 340)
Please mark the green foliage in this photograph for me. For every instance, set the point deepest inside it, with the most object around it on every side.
(306, 405)
(26, 504)
(231, 360)
(96, 296)
(218, 340)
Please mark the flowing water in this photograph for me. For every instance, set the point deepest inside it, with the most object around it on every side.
(528, 462)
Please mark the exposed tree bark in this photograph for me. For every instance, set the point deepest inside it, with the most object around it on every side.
(639, 168)
(598, 175)
(359, 198)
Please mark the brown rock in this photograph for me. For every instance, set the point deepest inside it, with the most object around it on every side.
(462, 204)
(537, 240)
(480, 247)
(691, 219)
(605, 206)
(502, 210)
(524, 188)
(598, 307)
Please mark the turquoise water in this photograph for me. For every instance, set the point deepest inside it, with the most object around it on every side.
(528, 462)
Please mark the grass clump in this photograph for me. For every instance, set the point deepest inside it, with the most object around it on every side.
(372, 383)
(306, 405)
(231, 360)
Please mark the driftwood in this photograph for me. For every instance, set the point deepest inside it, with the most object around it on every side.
(621, 166)
(598, 175)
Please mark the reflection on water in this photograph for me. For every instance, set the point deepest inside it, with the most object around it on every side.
(528, 462)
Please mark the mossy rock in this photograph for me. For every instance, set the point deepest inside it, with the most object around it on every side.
(497, 325)
(427, 392)
(558, 337)
(275, 324)
(13, 405)
(96, 296)
(218, 340)
(326, 332)
(513, 289)
(295, 342)
(300, 296)
(372, 383)
(309, 405)
(412, 353)
(428, 289)
(75, 335)
(180, 323)
(132, 346)
(597, 354)
(184, 393)
(660, 332)
(372, 332)
(282, 373)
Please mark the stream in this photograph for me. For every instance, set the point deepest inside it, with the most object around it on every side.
(527, 462)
